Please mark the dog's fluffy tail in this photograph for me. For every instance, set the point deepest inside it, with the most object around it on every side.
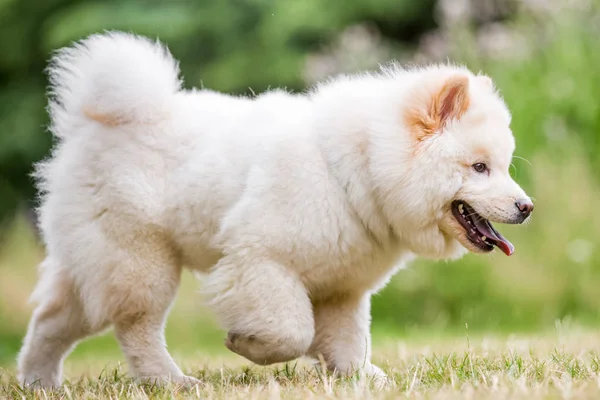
(113, 79)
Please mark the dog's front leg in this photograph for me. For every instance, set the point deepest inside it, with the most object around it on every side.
(264, 306)
(342, 336)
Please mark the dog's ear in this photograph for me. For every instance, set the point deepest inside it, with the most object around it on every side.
(446, 102)
(452, 101)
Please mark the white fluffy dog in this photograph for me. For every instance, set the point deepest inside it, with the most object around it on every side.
(297, 208)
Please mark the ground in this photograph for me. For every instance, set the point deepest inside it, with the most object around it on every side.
(557, 365)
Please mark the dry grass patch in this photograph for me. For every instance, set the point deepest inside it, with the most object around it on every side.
(554, 366)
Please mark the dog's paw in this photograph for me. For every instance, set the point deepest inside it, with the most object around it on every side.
(260, 351)
(187, 381)
(179, 380)
(379, 378)
(35, 381)
(370, 372)
(249, 347)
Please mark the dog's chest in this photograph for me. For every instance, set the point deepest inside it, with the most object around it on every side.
(351, 271)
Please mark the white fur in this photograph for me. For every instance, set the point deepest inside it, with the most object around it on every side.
(296, 207)
(129, 81)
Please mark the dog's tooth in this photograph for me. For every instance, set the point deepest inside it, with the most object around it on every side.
(473, 230)
(483, 238)
(461, 209)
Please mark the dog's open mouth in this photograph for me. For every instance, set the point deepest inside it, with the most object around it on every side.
(479, 230)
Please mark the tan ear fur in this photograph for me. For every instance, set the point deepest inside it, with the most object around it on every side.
(429, 115)
(452, 101)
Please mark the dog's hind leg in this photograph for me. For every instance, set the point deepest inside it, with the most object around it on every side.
(57, 324)
(141, 293)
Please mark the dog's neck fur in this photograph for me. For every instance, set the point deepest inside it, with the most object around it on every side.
(347, 120)
(347, 156)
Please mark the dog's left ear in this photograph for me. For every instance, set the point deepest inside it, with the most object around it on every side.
(451, 102)
(432, 110)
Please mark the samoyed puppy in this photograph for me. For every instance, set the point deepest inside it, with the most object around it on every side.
(295, 207)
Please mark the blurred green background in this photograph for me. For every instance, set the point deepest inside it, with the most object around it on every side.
(543, 56)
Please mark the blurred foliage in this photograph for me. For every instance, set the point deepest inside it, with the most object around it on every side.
(228, 45)
(544, 61)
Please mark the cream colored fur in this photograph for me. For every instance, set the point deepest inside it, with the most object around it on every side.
(296, 208)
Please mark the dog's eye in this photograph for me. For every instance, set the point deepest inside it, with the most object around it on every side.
(480, 167)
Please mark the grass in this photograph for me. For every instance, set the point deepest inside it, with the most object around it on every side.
(565, 364)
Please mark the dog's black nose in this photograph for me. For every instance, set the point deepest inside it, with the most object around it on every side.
(525, 206)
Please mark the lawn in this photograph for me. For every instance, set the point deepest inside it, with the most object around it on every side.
(562, 364)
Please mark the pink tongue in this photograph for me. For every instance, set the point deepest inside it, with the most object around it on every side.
(506, 246)
(484, 227)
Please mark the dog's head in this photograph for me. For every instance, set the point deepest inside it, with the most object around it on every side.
(458, 182)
